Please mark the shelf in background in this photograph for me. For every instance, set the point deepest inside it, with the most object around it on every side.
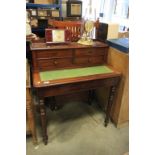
(35, 6)
(45, 6)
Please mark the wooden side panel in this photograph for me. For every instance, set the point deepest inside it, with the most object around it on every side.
(124, 109)
(120, 110)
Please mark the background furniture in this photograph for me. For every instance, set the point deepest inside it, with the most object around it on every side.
(76, 28)
(122, 44)
(107, 31)
(30, 121)
(40, 30)
(45, 6)
(118, 57)
(123, 34)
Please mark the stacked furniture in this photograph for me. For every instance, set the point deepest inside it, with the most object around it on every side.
(39, 23)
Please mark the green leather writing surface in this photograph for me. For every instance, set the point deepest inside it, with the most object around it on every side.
(71, 73)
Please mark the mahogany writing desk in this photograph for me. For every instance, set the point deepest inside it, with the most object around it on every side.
(68, 68)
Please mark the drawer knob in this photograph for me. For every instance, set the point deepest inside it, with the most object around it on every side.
(55, 62)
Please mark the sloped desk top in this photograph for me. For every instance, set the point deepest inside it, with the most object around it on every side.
(66, 76)
(76, 72)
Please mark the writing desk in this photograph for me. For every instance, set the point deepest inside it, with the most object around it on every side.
(68, 68)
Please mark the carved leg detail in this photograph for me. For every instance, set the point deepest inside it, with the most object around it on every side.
(43, 120)
(110, 101)
(31, 121)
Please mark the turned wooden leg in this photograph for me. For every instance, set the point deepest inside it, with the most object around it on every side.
(43, 120)
(110, 101)
(30, 115)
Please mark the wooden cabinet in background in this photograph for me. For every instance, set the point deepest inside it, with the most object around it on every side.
(30, 121)
(120, 109)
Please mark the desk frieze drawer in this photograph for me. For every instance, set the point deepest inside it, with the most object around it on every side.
(80, 86)
(90, 52)
(54, 54)
(48, 64)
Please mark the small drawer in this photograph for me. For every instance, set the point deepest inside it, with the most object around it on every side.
(54, 63)
(54, 54)
(90, 52)
(89, 60)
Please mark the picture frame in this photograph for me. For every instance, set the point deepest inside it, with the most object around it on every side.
(57, 36)
(33, 12)
(43, 13)
(55, 13)
(74, 8)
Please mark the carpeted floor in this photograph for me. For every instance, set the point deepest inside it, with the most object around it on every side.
(77, 129)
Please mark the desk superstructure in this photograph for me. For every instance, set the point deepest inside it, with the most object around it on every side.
(68, 68)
